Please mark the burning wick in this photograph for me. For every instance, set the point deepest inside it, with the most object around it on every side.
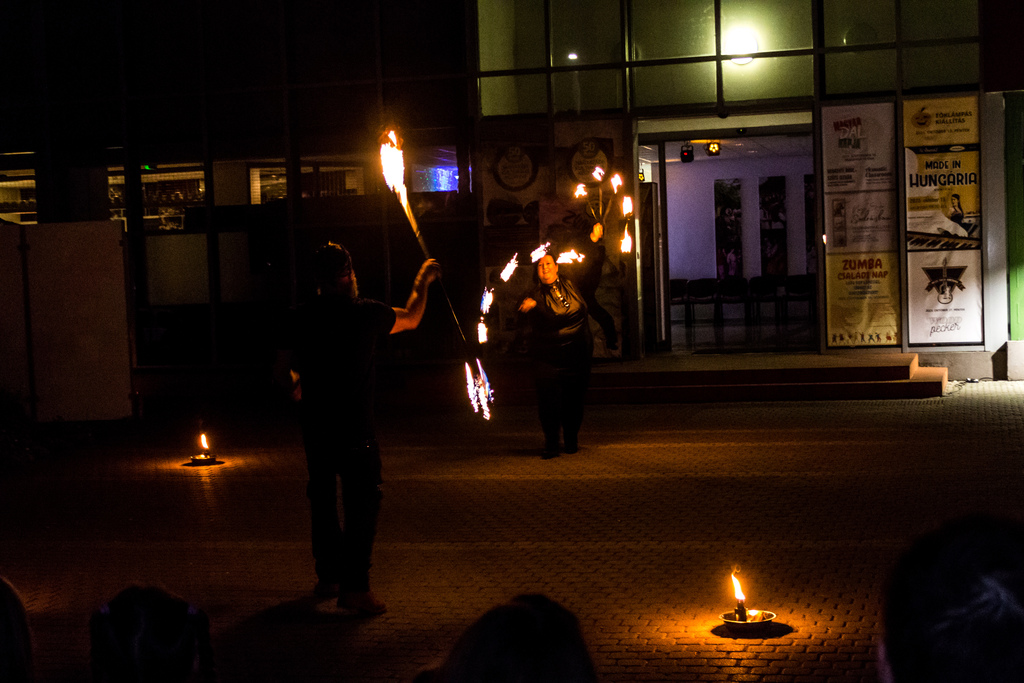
(481, 331)
(741, 609)
(598, 173)
(616, 182)
(626, 245)
(509, 269)
(538, 253)
(581, 191)
(627, 206)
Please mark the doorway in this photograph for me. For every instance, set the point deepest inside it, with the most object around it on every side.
(738, 219)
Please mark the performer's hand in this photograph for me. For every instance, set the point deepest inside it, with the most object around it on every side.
(429, 271)
(527, 305)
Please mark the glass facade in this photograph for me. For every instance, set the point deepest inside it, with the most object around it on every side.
(674, 58)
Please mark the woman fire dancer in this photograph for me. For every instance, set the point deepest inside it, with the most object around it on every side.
(561, 345)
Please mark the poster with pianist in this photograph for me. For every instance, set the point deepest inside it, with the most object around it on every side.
(944, 294)
(942, 173)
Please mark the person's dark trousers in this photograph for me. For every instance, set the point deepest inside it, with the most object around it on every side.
(560, 396)
(342, 554)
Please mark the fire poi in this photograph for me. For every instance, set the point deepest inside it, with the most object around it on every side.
(392, 163)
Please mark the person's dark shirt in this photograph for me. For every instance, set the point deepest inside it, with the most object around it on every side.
(335, 342)
(558, 321)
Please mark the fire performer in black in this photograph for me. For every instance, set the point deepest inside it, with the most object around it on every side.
(336, 335)
(588, 240)
(561, 346)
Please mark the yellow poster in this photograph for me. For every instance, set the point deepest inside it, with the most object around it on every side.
(863, 293)
(940, 121)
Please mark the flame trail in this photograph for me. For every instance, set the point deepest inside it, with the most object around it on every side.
(392, 162)
(506, 273)
(569, 257)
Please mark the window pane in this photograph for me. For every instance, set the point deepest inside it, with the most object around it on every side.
(859, 22)
(588, 29)
(766, 78)
(663, 30)
(511, 34)
(587, 90)
(513, 95)
(851, 72)
(946, 65)
(433, 169)
(765, 25)
(924, 19)
(675, 84)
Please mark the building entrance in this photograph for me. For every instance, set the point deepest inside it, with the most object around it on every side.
(740, 249)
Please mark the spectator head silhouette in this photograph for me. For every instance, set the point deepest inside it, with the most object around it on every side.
(531, 638)
(15, 638)
(147, 635)
(955, 606)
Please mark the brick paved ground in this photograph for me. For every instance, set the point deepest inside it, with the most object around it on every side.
(637, 533)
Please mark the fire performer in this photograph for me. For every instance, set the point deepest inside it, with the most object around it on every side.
(336, 335)
(587, 238)
(561, 346)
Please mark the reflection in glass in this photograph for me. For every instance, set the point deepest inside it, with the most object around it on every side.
(945, 65)
(859, 22)
(665, 30)
(501, 95)
(674, 84)
(927, 19)
(768, 77)
(587, 28)
(854, 72)
(774, 24)
(587, 90)
(511, 34)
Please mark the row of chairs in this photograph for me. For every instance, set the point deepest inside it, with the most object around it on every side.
(758, 290)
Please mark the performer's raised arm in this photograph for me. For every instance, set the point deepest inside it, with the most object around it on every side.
(408, 318)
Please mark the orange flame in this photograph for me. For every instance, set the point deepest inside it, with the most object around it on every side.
(581, 191)
(626, 245)
(569, 257)
(616, 182)
(627, 206)
(738, 590)
(598, 173)
(204, 443)
(392, 163)
(481, 332)
(487, 300)
(539, 253)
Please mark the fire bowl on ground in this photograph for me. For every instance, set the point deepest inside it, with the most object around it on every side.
(758, 623)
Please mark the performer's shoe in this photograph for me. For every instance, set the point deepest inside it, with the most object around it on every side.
(326, 589)
(364, 602)
(550, 453)
(571, 447)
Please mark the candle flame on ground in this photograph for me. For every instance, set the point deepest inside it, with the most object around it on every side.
(203, 442)
(738, 590)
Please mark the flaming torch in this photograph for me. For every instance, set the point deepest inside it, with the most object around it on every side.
(626, 245)
(742, 621)
(392, 163)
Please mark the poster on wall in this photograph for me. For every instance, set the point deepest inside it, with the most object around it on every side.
(863, 303)
(728, 228)
(942, 173)
(860, 215)
(944, 294)
(944, 222)
(773, 225)
(517, 176)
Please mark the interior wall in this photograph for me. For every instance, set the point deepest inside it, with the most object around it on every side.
(691, 211)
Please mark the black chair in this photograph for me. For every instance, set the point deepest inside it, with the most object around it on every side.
(700, 291)
(731, 290)
(677, 291)
(765, 289)
(800, 288)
